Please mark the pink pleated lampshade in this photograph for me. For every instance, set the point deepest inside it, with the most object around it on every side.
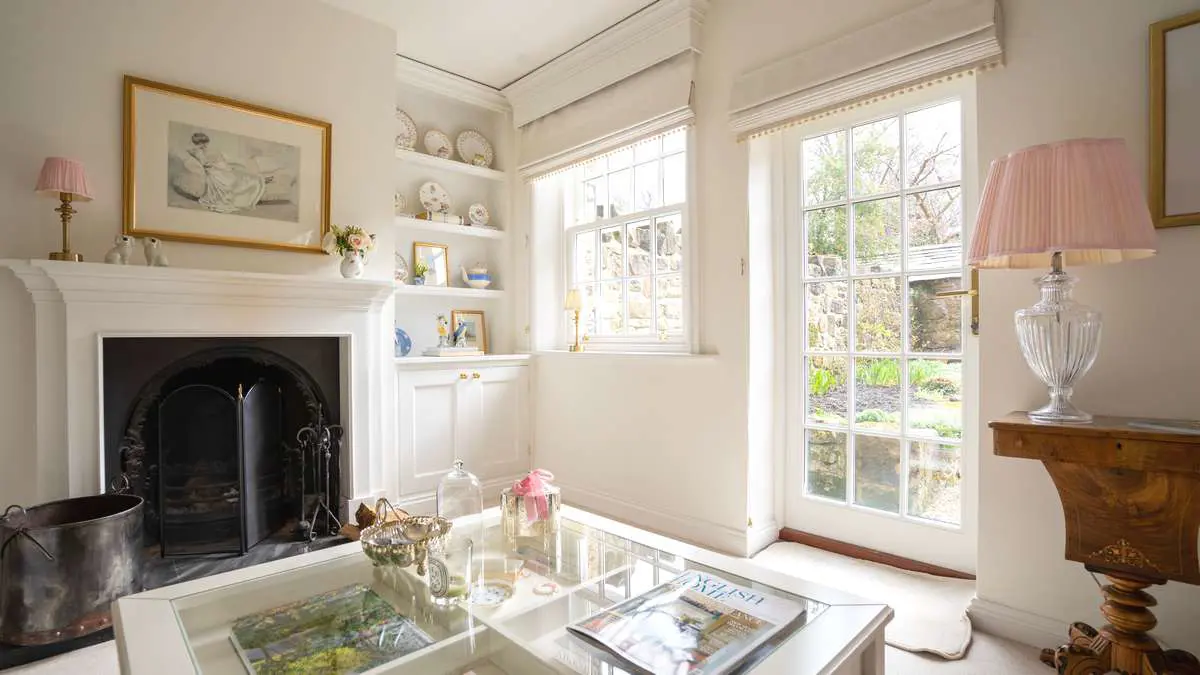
(1081, 197)
(60, 174)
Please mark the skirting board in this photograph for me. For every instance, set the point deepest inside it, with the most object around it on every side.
(710, 535)
(1024, 627)
(761, 537)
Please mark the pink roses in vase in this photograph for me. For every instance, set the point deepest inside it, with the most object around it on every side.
(353, 244)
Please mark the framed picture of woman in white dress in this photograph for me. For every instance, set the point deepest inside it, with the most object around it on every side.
(211, 170)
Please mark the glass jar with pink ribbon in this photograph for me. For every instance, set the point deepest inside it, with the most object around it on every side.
(530, 508)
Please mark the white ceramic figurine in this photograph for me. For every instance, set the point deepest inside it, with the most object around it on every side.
(155, 257)
(121, 251)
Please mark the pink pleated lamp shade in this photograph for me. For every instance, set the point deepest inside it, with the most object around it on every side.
(1081, 197)
(60, 174)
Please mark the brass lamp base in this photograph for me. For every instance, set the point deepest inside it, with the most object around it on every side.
(69, 256)
(65, 211)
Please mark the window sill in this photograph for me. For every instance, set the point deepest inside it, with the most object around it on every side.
(681, 357)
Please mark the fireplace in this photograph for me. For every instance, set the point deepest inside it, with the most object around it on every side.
(214, 433)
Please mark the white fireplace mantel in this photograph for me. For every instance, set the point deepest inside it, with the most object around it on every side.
(77, 304)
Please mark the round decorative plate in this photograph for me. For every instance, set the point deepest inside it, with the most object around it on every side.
(401, 204)
(403, 345)
(437, 144)
(406, 139)
(491, 593)
(401, 273)
(474, 148)
(478, 214)
(434, 198)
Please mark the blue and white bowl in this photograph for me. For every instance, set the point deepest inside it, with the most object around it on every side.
(403, 343)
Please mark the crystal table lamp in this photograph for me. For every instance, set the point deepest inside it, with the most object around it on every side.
(65, 178)
(1076, 202)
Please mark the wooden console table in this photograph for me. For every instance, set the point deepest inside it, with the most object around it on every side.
(1131, 500)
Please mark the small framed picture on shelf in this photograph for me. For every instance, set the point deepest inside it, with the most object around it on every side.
(431, 264)
(475, 333)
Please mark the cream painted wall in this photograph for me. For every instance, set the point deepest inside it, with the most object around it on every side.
(61, 63)
(1079, 68)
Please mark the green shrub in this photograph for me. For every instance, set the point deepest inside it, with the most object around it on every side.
(943, 429)
(821, 381)
(943, 386)
(875, 415)
(879, 372)
(921, 371)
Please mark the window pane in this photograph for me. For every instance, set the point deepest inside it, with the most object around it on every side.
(877, 236)
(674, 180)
(585, 257)
(669, 242)
(877, 306)
(877, 472)
(596, 167)
(934, 229)
(646, 150)
(877, 157)
(647, 190)
(676, 141)
(640, 305)
(593, 200)
(877, 398)
(827, 241)
(935, 482)
(935, 324)
(933, 139)
(588, 318)
(612, 308)
(825, 457)
(825, 168)
(612, 252)
(827, 312)
(620, 159)
(669, 303)
(827, 390)
(935, 398)
(639, 255)
(620, 193)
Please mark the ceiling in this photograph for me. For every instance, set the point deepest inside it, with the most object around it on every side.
(494, 42)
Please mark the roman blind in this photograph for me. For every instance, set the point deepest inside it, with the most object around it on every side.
(650, 102)
(936, 40)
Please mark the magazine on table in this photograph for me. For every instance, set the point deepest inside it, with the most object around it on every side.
(694, 624)
(345, 631)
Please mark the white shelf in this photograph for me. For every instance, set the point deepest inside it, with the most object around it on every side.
(451, 361)
(410, 223)
(422, 159)
(453, 291)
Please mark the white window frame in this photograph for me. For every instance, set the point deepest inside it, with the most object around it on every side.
(677, 343)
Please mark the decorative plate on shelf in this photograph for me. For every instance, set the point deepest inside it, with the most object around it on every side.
(434, 198)
(437, 144)
(474, 148)
(478, 214)
(403, 343)
(401, 204)
(406, 139)
(401, 273)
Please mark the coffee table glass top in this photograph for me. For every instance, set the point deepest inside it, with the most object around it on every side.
(533, 589)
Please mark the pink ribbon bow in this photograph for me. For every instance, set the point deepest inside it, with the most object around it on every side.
(534, 485)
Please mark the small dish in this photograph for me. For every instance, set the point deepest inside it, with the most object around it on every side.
(434, 198)
(478, 214)
(437, 144)
(400, 203)
(473, 148)
(406, 139)
(401, 273)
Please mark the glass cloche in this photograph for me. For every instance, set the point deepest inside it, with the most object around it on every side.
(460, 500)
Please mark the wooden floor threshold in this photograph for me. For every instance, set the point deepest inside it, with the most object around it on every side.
(869, 554)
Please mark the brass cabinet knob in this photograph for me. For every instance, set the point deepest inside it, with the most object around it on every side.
(475, 376)
(462, 376)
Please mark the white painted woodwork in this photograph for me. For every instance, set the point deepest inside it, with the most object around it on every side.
(475, 413)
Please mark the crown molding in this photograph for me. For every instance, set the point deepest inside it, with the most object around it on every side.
(934, 39)
(448, 84)
(51, 281)
(653, 35)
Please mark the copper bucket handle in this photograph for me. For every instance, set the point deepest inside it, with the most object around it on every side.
(21, 531)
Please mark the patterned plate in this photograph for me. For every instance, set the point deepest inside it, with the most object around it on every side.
(400, 203)
(437, 144)
(406, 139)
(401, 273)
(478, 214)
(434, 198)
(475, 149)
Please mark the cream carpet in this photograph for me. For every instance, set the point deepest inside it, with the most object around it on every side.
(931, 612)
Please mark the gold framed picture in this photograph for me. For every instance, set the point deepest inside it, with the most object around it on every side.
(211, 170)
(476, 328)
(1175, 121)
(431, 264)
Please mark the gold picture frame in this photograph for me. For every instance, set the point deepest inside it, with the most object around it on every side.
(1160, 106)
(235, 173)
(475, 316)
(424, 251)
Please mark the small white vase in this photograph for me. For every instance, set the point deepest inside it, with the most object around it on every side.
(352, 265)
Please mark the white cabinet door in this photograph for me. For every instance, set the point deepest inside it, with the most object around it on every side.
(497, 421)
(430, 407)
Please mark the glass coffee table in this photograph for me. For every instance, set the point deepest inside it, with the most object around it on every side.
(533, 590)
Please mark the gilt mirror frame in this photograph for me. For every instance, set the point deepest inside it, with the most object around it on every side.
(1161, 105)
